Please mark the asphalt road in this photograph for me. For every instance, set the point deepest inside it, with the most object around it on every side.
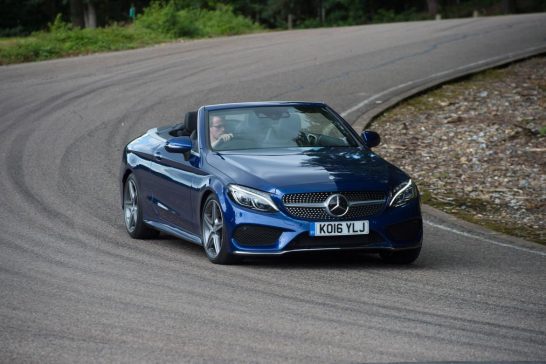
(75, 288)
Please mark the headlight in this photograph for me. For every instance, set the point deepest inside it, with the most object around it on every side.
(251, 198)
(403, 193)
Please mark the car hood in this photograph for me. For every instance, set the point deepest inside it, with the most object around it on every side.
(320, 169)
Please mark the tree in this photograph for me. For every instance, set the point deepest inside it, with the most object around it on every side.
(83, 13)
(90, 14)
(76, 13)
(508, 6)
(432, 7)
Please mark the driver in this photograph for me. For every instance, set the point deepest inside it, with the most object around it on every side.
(217, 132)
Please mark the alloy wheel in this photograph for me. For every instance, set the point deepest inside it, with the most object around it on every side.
(213, 227)
(130, 205)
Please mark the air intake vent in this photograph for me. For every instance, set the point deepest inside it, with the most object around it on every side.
(256, 235)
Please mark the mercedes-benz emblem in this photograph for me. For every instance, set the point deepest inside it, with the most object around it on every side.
(337, 205)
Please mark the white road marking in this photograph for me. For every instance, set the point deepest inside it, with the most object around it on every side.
(410, 83)
(468, 235)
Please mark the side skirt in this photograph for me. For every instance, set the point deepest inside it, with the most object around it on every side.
(175, 232)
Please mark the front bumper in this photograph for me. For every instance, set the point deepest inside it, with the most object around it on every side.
(253, 233)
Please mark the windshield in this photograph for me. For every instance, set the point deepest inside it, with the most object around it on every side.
(276, 127)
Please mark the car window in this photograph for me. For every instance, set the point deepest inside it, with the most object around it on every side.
(276, 127)
(195, 140)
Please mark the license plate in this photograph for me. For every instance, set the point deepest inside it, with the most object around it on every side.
(340, 228)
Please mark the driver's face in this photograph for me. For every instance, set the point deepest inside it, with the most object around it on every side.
(216, 127)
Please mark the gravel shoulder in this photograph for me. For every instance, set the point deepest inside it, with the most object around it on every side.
(477, 147)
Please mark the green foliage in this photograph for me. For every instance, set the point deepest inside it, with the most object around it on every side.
(221, 21)
(466, 9)
(159, 22)
(164, 19)
(58, 26)
(339, 16)
(193, 22)
(21, 17)
(63, 40)
(310, 23)
(12, 32)
(389, 16)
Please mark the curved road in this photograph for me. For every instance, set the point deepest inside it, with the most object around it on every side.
(75, 288)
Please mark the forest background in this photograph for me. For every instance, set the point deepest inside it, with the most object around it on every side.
(33, 30)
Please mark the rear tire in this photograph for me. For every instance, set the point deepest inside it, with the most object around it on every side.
(132, 211)
(400, 257)
(213, 233)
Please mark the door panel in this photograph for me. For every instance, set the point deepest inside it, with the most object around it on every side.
(173, 188)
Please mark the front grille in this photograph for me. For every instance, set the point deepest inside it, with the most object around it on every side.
(255, 235)
(318, 197)
(319, 213)
(305, 241)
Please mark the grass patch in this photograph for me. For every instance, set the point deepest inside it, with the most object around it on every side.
(62, 40)
(159, 23)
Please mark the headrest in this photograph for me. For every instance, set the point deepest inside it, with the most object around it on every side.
(190, 121)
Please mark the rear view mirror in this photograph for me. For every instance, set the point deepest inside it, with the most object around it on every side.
(371, 138)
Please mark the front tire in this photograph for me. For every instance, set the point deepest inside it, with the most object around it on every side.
(132, 211)
(401, 257)
(213, 233)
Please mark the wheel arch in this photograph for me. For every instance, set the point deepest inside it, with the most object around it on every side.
(204, 198)
(215, 188)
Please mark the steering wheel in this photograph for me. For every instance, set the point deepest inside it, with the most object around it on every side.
(238, 142)
(313, 139)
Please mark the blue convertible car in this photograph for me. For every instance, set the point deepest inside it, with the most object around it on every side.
(269, 178)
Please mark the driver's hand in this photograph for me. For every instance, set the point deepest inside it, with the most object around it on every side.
(222, 139)
(225, 137)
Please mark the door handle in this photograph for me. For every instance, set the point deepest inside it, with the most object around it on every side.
(157, 155)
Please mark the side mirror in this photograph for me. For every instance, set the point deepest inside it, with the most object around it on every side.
(371, 138)
(181, 144)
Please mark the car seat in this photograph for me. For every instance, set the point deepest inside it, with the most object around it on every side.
(284, 133)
